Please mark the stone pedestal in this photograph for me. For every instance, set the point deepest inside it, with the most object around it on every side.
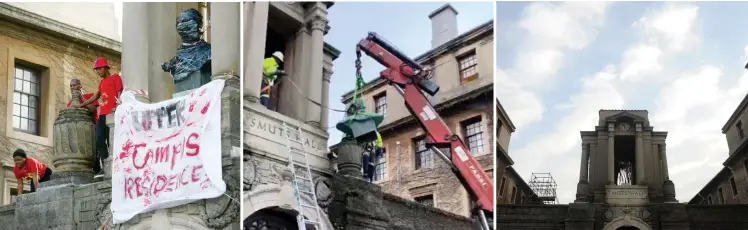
(668, 190)
(350, 157)
(581, 216)
(74, 146)
(582, 192)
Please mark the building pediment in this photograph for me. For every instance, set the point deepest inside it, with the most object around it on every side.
(636, 116)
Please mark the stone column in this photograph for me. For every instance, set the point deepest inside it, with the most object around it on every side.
(324, 120)
(224, 17)
(583, 184)
(74, 146)
(162, 35)
(255, 30)
(663, 157)
(639, 158)
(611, 154)
(668, 188)
(317, 25)
(583, 166)
(135, 46)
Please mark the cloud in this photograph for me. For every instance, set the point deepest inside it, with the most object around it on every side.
(691, 105)
(561, 146)
(672, 26)
(526, 106)
(551, 30)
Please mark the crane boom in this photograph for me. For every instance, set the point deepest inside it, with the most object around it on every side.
(410, 79)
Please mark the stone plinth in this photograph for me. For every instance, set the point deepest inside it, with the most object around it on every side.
(350, 159)
(626, 195)
(668, 190)
(74, 146)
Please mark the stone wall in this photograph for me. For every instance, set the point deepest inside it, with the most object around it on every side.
(439, 181)
(63, 59)
(530, 216)
(406, 214)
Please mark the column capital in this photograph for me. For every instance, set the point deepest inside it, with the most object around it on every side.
(318, 22)
(326, 75)
(662, 147)
(585, 146)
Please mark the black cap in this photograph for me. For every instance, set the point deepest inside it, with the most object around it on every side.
(19, 153)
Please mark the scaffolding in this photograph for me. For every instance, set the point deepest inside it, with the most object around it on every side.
(545, 187)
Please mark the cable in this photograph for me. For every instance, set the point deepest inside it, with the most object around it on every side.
(307, 97)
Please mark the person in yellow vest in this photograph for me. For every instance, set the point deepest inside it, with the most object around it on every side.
(370, 161)
(271, 71)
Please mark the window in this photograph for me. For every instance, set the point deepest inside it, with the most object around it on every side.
(380, 167)
(709, 199)
(424, 156)
(501, 188)
(498, 128)
(720, 196)
(427, 200)
(522, 199)
(381, 104)
(739, 126)
(26, 100)
(514, 194)
(468, 67)
(474, 135)
(734, 188)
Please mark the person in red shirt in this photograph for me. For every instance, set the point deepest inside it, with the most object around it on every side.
(28, 168)
(75, 85)
(110, 88)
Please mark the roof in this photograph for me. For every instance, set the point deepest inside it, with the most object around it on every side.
(735, 114)
(60, 29)
(329, 49)
(711, 182)
(476, 32)
(504, 115)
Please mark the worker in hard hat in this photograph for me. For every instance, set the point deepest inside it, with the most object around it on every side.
(371, 161)
(271, 71)
(110, 88)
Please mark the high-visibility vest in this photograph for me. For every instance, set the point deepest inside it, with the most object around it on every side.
(379, 143)
(269, 67)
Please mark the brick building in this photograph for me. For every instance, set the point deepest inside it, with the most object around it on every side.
(463, 68)
(38, 58)
(510, 187)
(730, 185)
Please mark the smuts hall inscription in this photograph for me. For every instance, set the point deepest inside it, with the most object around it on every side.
(266, 127)
(628, 193)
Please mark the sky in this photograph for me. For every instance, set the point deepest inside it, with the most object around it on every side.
(102, 18)
(559, 63)
(405, 25)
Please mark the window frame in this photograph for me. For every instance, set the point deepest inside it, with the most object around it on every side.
(467, 126)
(467, 63)
(47, 100)
(378, 108)
(733, 187)
(380, 166)
(19, 102)
(741, 133)
(418, 154)
(501, 186)
(419, 199)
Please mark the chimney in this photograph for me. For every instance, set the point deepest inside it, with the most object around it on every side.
(443, 25)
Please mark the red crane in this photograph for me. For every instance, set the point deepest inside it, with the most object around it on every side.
(412, 81)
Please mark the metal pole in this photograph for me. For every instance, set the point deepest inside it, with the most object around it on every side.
(397, 163)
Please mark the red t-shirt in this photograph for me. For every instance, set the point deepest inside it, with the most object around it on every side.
(31, 166)
(109, 89)
(84, 99)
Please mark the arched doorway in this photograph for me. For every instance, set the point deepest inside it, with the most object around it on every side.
(628, 228)
(270, 220)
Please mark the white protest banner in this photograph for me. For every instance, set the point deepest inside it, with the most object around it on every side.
(168, 153)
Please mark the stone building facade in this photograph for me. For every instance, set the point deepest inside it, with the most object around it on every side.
(730, 185)
(510, 187)
(623, 184)
(75, 200)
(463, 68)
(34, 45)
(297, 29)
